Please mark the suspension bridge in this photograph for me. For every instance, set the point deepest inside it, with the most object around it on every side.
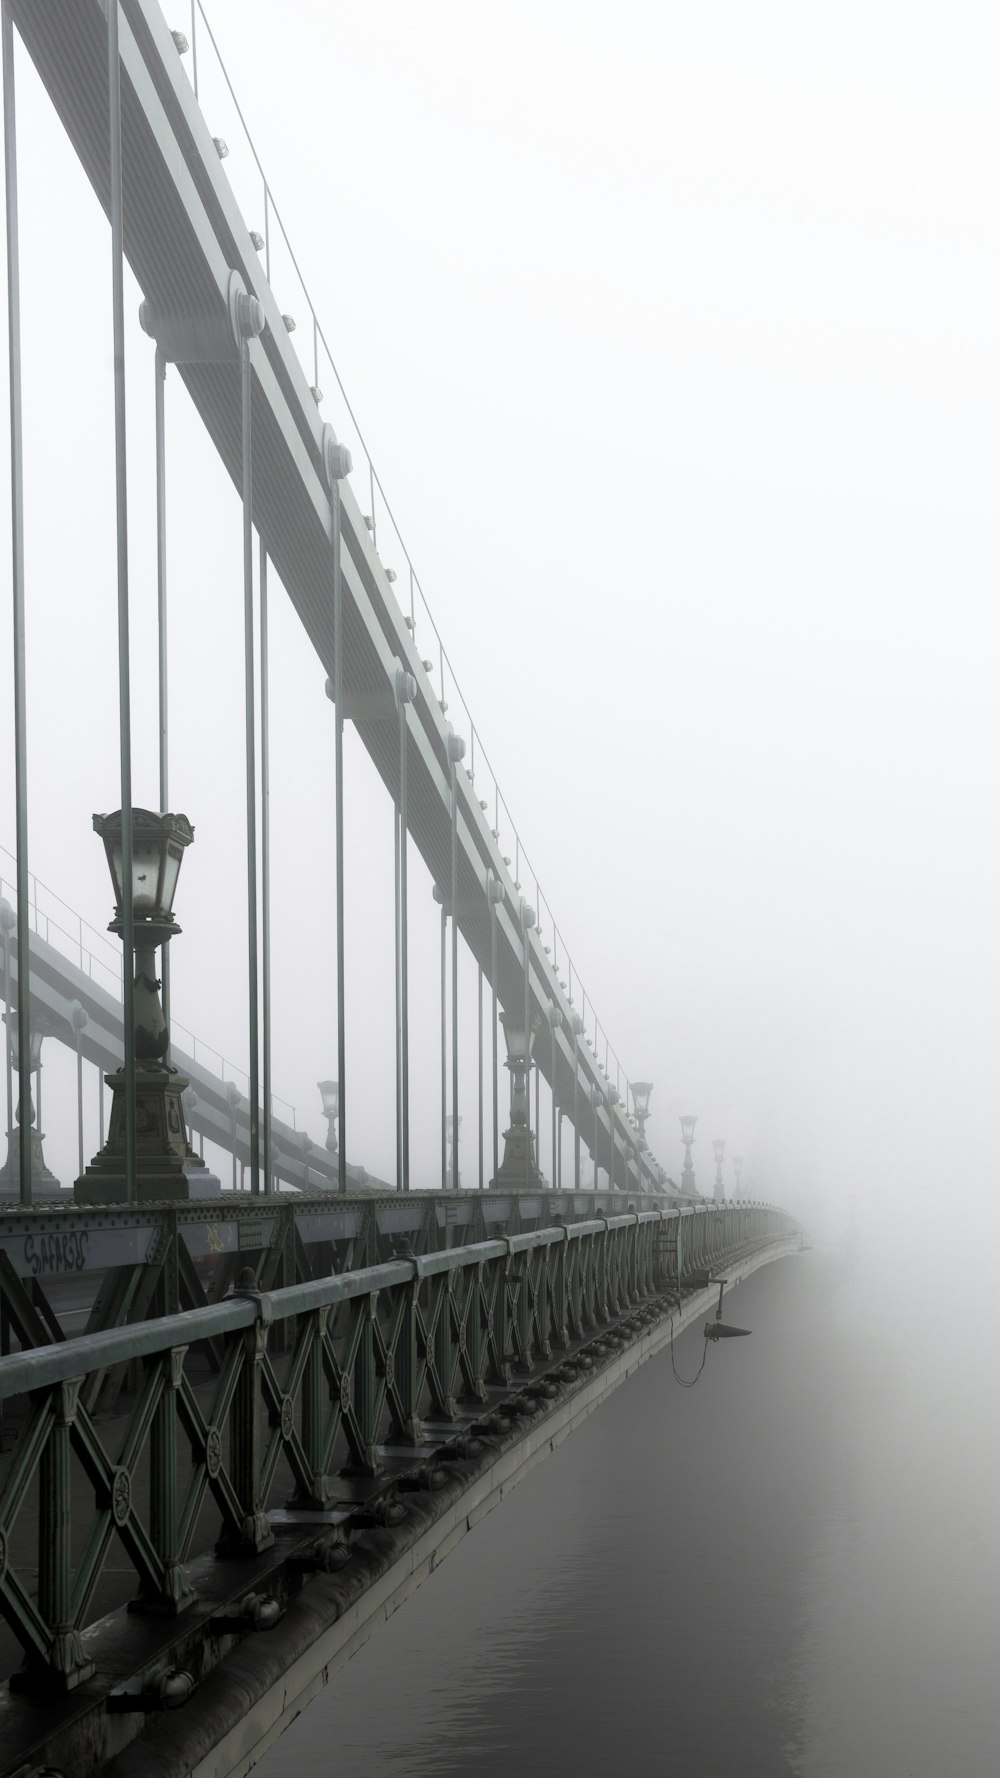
(249, 1399)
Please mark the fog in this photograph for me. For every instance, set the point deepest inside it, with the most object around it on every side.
(672, 333)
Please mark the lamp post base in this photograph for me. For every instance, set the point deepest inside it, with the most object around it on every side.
(45, 1187)
(519, 1171)
(166, 1167)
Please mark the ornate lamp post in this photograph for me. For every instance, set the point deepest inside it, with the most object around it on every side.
(719, 1149)
(641, 1090)
(330, 1092)
(43, 1183)
(688, 1186)
(454, 1132)
(166, 1166)
(738, 1170)
(518, 1171)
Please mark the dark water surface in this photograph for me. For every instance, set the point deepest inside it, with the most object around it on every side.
(790, 1569)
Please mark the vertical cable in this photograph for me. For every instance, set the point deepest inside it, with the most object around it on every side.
(8, 1027)
(251, 766)
(404, 1001)
(576, 1102)
(444, 1048)
(194, 46)
(479, 975)
(17, 602)
(527, 1053)
(552, 1038)
(493, 983)
(338, 698)
(265, 866)
(560, 1148)
(454, 974)
(159, 384)
(398, 985)
(121, 507)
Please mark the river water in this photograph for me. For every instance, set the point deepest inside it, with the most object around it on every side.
(790, 1569)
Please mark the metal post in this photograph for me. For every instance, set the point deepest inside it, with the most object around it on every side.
(265, 866)
(480, 1032)
(456, 748)
(8, 914)
(399, 1033)
(338, 698)
(124, 682)
(194, 46)
(526, 917)
(404, 1003)
(251, 764)
(552, 1038)
(79, 1018)
(576, 1103)
(560, 1158)
(444, 1046)
(17, 591)
(159, 384)
(493, 983)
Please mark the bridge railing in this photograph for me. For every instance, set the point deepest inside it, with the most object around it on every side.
(237, 1405)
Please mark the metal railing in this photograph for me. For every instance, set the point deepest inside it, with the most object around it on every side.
(304, 1380)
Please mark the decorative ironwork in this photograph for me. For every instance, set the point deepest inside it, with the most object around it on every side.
(307, 1380)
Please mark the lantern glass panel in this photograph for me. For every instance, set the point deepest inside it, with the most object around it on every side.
(330, 1090)
(34, 1043)
(687, 1127)
(513, 1031)
(147, 861)
(170, 871)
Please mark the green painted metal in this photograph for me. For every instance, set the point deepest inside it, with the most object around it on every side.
(306, 1381)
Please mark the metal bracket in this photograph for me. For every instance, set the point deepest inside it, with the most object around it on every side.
(242, 1291)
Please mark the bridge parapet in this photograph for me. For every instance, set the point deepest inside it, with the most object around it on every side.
(291, 1407)
(67, 1268)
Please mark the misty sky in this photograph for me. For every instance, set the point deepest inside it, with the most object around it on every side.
(673, 335)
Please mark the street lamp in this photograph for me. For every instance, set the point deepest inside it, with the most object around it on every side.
(44, 1184)
(719, 1149)
(165, 1164)
(518, 1171)
(738, 1170)
(641, 1090)
(330, 1092)
(688, 1186)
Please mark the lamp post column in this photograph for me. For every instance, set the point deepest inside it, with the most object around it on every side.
(687, 1137)
(719, 1149)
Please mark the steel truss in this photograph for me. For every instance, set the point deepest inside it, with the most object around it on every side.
(271, 1397)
